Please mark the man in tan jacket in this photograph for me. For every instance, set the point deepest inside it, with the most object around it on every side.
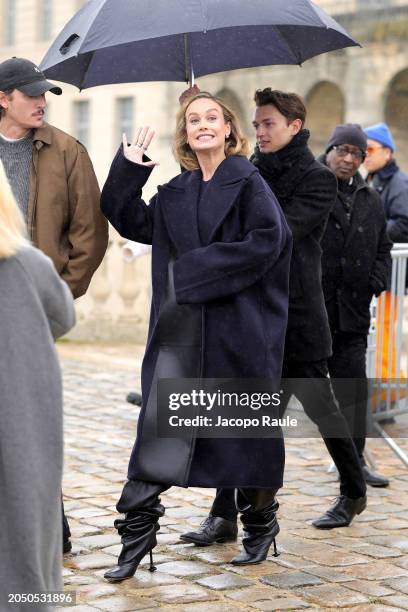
(53, 181)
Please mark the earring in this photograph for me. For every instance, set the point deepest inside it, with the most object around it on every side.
(227, 136)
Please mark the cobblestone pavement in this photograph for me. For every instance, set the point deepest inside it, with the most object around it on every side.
(363, 567)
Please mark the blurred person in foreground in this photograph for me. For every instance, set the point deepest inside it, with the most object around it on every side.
(53, 182)
(306, 191)
(36, 308)
(391, 183)
(220, 270)
(356, 266)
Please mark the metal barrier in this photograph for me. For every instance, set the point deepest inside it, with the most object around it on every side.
(386, 358)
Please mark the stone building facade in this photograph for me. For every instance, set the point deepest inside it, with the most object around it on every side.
(362, 85)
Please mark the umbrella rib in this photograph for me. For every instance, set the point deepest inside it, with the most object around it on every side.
(85, 74)
(295, 55)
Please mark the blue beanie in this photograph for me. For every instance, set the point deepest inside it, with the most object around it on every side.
(381, 133)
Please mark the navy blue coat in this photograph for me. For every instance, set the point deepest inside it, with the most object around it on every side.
(237, 282)
(392, 185)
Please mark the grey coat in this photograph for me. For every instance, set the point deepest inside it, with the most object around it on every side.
(35, 308)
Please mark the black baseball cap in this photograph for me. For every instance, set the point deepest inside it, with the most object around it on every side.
(19, 73)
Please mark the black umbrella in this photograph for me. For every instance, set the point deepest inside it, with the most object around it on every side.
(124, 41)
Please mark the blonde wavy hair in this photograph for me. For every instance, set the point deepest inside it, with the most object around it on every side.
(12, 226)
(236, 143)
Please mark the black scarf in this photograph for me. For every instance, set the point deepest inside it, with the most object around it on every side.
(274, 167)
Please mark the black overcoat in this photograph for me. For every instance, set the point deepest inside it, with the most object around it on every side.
(237, 281)
(306, 190)
(356, 259)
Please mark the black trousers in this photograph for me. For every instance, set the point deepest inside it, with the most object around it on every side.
(347, 368)
(319, 404)
(66, 532)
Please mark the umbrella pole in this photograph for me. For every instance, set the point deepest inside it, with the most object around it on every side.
(188, 61)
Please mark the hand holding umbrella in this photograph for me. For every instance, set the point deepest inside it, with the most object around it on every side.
(189, 93)
(135, 152)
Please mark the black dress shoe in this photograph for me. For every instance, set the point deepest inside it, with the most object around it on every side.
(213, 529)
(134, 398)
(66, 546)
(341, 513)
(373, 479)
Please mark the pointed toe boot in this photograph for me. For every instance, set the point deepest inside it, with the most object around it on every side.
(138, 534)
(260, 527)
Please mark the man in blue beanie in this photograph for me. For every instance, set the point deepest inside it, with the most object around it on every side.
(385, 177)
(391, 183)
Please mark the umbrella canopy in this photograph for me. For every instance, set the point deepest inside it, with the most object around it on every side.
(124, 41)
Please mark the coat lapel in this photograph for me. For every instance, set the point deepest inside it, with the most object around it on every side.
(226, 185)
(225, 193)
(179, 200)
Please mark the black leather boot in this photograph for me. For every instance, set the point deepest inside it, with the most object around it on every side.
(138, 530)
(260, 525)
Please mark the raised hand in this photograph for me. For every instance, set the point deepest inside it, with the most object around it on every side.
(134, 152)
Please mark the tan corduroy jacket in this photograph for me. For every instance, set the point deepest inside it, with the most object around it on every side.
(64, 218)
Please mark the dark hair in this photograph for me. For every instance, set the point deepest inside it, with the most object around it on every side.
(290, 105)
(8, 93)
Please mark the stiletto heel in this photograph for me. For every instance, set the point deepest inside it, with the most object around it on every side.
(260, 529)
(152, 567)
(138, 531)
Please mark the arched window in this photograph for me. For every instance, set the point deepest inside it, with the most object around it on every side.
(396, 115)
(325, 109)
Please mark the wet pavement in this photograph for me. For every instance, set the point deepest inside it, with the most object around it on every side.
(363, 567)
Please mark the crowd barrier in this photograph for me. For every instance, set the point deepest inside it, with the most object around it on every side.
(387, 354)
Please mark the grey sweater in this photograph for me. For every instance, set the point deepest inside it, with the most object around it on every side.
(16, 156)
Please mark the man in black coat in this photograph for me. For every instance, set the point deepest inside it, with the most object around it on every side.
(306, 191)
(356, 265)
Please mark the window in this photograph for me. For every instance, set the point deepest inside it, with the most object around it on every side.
(46, 18)
(10, 22)
(124, 114)
(81, 122)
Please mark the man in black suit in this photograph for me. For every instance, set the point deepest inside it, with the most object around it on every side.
(306, 190)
